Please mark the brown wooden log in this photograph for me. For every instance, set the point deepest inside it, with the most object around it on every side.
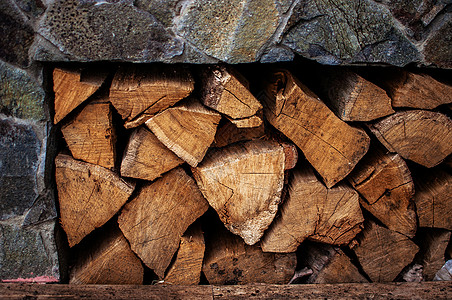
(88, 196)
(330, 145)
(387, 189)
(72, 87)
(433, 198)
(139, 92)
(186, 268)
(187, 129)
(146, 157)
(243, 183)
(250, 122)
(329, 264)
(154, 221)
(313, 211)
(229, 133)
(433, 244)
(228, 260)
(383, 253)
(226, 91)
(107, 261)
(91, 135)
(424, 137)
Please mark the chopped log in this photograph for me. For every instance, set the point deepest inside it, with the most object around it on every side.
(433, 244)
(385, 184)
(229, 133)
(445, 273)
(433, 198)
(424, 137)
(139, 92)
(228, 260)
(311, 210)
(187, 129)
(250, 122)
(109, 261)
(352, 97)
(146, 157)
(243, 183)
(91, 135)
(329, 144)
(412, 273)
(226, 91)
(329, 264)
(383, 253)
(186, 268)
(71, 88)
(89, 196)
(154, 221)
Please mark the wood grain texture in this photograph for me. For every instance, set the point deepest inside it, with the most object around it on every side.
(243, 183)
(139, 92)
(228, 133)
(71, 89)
(88, 196)
(433, 244)
(249, 122)
(91, 135)
(387, 189)
(154, 221)
(383, 253)
(187, 129)
(329, 144)
(146, 157)
(424, 137)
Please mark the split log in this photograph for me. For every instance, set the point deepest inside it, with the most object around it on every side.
(91, 135)
(313, 211)
(329, 264)
(187, 129)
(424, 137)
(72, 87)
(228, 260)
(226, 91)
(154, 221)
(433, 244)
(146, 157)
(329, 144)
(384, 253)
(243, 183)
(108, 261)
(387, 189)
(433, 198)
(250, 122)
(89, 196)
(139, 92)
(187, 266)
(228, 133)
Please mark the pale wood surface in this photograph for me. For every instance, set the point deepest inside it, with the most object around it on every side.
(146, 157)
(187, 129)
(88, 196)
(424, 137)
(332, 146)
(250, 122)
(229, 133)
(387, 189)
(243, 183)
(154, 221)
(433, 244)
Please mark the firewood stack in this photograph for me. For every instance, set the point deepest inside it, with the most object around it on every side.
(190, 171)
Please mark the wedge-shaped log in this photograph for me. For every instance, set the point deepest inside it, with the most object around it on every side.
(433, 198)
(154, 221)
(107, 261)
(139, 92)
(329, 264)
(387, 189)
(433, 244)
(424, 137)
(229, 133)
(226, 91)
(250, 122)
(229, 260)
(187, 266)
(187, 129)
(91, 135)
(313, 211)
(243, 183)
(330, 145)
(72, 87)
(88, 195)
(383, 253)
(146, 157)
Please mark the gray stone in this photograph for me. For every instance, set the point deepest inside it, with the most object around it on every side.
(163, 10)
(20, 95)
(277, 54)
(438, 47)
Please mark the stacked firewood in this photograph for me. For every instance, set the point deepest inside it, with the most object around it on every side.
(189, 172)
